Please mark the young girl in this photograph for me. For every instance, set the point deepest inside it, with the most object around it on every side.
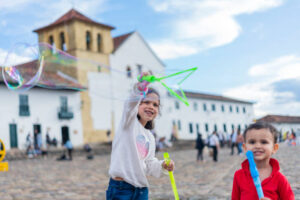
(261, 138)
(133, 149)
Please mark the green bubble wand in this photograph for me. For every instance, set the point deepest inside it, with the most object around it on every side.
(172, 179)
(182, 98)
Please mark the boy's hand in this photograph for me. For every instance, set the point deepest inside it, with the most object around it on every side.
(264, 198)
(170, 166)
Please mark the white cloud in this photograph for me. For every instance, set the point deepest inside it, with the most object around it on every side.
(20, 53)
(171, 50)
(206, 23)
(281, 68)
(260, 88)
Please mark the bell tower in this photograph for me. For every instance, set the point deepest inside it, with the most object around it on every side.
(88, 40)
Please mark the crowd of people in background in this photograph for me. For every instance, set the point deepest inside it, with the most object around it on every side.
(214, 142)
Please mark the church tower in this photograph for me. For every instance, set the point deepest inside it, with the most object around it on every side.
(88, 40)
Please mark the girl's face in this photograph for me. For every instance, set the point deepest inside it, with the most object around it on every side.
(261, 143)
(148, 108)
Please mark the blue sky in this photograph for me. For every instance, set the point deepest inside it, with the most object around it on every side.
(246, 49)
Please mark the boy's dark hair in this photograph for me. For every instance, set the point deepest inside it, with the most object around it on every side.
(150, 124)
(262, 125)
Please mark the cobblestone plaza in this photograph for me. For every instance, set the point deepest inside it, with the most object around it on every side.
(82, 179)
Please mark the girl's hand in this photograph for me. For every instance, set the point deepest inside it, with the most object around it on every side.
(143, 85)
(170, 166)
(144, 74)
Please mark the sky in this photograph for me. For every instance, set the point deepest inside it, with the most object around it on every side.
(245, 49)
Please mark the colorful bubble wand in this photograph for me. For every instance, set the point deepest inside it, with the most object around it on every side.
(182, 98)
(172, 179)
(255, 174)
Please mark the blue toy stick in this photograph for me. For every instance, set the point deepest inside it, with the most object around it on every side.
(255, 174)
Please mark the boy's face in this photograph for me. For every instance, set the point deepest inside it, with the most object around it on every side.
(261, 143)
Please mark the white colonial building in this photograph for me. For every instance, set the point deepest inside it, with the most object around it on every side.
(40, 110)
(132, 55)
(283, 123)
(207, 113)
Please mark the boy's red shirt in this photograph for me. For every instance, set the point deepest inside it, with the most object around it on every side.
(275, 187)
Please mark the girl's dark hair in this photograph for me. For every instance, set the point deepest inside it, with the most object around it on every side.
(262, 125)
(150, 124)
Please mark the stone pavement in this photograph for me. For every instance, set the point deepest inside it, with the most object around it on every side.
(82, 179)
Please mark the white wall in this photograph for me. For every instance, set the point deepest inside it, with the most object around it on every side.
(287, 127)
(132, 52)
(43, 105)
(188, 115)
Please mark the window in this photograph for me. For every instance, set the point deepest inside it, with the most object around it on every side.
(239, 127)
(128, 72)
(99, 42)
(225, 128)
(51, 40)
(206, 127)
(64, 104)
(204, 107)
(237, 109)
(173, 123)
(140, 69)
(244, 110)
(63, 45)
(246, 126)
(215, 127)
(179, 125)
(195, 106)
(232, 127)
(23, 107)
(213, 107)
(223, 108)
(230, 108)
(99, 68)
(197, 128)
(88, 40)
(177, 105)
(191, 127)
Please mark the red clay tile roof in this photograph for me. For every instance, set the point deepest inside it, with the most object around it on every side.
(120, 39)
(72, 15)
(213, 97)
(50, 77)
(279, 119)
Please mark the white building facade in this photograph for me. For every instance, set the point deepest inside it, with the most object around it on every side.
(283, 123)
(208, 113)
(56, 112)
(132, 56)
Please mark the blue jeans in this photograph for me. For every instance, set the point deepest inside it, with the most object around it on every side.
(120, 190)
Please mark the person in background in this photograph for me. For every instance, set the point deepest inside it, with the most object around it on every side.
(69, 147)
(199, 146)
(215, 145)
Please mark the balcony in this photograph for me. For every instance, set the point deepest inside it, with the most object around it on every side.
(65, 113)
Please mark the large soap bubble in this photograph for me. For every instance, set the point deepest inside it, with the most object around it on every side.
(23, 67)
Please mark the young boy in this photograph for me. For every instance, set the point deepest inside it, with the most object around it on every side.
(261, 138)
